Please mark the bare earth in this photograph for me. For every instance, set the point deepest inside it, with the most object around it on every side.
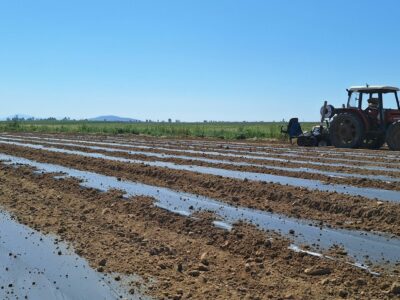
(181, 257)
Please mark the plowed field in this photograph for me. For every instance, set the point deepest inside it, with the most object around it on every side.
(200, 219)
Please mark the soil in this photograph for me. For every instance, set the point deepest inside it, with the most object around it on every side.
(179, 257)
(324, 157)
(330, 208)
(361, 182)
(248, 146)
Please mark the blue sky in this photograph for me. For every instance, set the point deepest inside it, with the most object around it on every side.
(192, 60)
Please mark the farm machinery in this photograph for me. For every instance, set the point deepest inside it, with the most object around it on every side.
(369, 120)
(318, 136)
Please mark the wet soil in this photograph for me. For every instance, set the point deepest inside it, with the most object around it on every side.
(178, 257)
(348, 164)
(289, 152)
(332, 209)
(360, 182)
(286, 153)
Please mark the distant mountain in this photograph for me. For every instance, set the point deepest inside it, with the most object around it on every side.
(113, 119)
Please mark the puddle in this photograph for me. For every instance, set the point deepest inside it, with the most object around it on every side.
(358, 244)
(31, 266)
(371, 193)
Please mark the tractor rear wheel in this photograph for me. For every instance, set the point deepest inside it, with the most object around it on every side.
(346, 131)
(393, 136)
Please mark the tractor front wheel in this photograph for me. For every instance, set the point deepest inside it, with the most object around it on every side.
(346, 131)
(393, 136)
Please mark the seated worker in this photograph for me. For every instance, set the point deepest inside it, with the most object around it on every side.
(373, 103)
(372, 111)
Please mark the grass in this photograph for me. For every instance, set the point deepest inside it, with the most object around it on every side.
(220, 130)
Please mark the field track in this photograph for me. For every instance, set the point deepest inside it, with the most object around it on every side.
(203, 219)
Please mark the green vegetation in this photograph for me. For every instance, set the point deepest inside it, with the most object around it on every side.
(221, 130)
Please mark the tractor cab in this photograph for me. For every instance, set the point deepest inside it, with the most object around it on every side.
(371, 118)
(379, 103)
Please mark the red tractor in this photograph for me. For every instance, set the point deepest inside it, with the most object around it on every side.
(365, 122)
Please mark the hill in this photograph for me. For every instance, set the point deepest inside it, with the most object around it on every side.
(111, 118)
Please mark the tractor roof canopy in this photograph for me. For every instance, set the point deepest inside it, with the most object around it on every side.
(373, 89)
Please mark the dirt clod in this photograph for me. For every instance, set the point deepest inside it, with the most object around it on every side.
(102, 262)
(343, 293)
(317, 271)
(194, 273)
